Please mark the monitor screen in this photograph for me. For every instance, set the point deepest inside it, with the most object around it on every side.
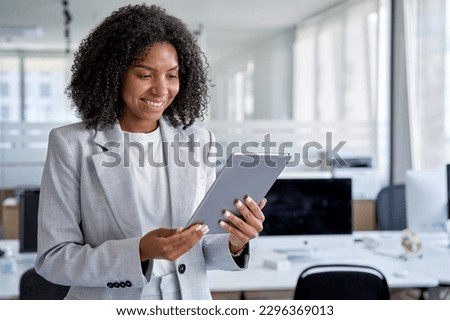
(309, 207)
(29, 204)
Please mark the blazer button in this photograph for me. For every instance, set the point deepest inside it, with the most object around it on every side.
(116, 285)
(122, 284)
(182, 268)
(110, 285)
(128, 283)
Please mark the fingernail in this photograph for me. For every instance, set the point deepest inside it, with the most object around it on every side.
(248, 199)
(205, 229)
(180, 229)
(198, 227)
(239, 204)
(222, 223)
(227, 214)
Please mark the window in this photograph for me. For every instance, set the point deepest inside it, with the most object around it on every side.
(427, 30)
(4, 89)
(340, 71)
(29, 84)
(34, 103)
(10, 87)
(45, 90)
(255, 84)
(5, 114)
(241, 102)
(45, 82)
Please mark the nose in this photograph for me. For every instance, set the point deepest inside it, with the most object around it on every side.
(159, 87)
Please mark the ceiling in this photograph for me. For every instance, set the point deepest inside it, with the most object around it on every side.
(227, 24)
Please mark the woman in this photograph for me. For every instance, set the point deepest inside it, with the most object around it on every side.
(118, 187)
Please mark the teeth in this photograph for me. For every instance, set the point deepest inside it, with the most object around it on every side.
(153, 103)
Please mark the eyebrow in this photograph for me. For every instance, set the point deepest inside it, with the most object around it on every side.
(153, 69)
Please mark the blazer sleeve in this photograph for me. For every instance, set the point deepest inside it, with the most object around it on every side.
(63, 257)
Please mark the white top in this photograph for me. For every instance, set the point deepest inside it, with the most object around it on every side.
(143, 152)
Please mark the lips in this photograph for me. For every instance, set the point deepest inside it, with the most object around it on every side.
(153, 103)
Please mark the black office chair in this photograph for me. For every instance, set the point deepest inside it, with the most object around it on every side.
(391, 208)
(341, 282)
(34, 287)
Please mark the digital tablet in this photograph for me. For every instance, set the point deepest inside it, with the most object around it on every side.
(242, 175)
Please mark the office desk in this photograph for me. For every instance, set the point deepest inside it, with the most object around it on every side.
(430, 271)
(421, 272)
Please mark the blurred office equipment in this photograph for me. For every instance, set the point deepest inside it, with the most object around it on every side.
(426, 200)
(391, 208)
(365, 179)
(29, 205)
(341, 282)
(308, 207)
(353, 162)
(448, 191)
(34, 287)
(10, 218)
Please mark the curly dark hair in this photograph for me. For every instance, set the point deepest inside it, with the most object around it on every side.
(121, 41)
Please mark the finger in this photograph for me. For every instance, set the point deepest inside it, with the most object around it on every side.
(251, 217)
(247, 229)
(197, 230)
(160, 243)
(189, 241)
(262, 203)
(175, 246)
(254, 208)
(245, 212)
(241, 237)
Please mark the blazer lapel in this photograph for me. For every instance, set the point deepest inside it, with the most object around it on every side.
(116, 180)
(182, 176)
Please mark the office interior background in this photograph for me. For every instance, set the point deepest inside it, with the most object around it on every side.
(373, 75)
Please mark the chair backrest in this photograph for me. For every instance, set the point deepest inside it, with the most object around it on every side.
(341, 282)
(34, 287)
(391, 208)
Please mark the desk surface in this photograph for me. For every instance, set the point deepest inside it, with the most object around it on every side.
(428, 271)
(411, 273)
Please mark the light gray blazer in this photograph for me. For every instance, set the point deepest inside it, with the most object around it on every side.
(88, 225)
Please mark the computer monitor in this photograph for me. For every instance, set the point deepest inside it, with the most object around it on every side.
(308, 207)
(28, 204)
(426, 200)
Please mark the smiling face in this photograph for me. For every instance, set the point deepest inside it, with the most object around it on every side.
(149, 87)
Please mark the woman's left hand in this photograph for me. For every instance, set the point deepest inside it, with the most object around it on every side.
(246, 228)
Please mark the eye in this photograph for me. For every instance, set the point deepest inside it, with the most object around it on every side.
(144, 76)
(172, 76)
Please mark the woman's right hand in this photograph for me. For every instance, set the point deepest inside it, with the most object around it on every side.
(170, 244)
